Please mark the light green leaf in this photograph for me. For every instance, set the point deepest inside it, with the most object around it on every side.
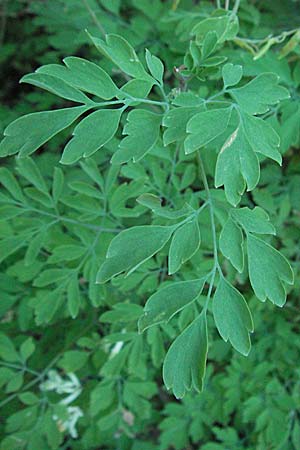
(9, 212)
(256, 96)
(7, 349)
(254, 220)
(30, 132)
(237, 165)
(262, 137)
(55, 86)
(8, 180)
(73, 360)
(84, 75)
(176, 121)
(73, 296)
(184, 365)
(232, 316)
(206, 126)
(29, 169)
(168, 301)
(155, 66)
(184, 244)
(131, 248)
(50, 276)
(269, 271)
(231, 244)
(142, 128)
(226, 27)
(135, 88)
(92, 133)
(209, 44)
(58, 184)
(27, 348)
(122, 54)
(231, 74)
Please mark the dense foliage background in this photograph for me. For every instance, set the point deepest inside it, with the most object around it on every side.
(74, 371)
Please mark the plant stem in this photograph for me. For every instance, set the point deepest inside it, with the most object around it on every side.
(94, 18)
(236, 6)
(227, 4)
(213, 228)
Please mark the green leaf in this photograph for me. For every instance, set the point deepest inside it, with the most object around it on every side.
(58, 184)
(73, 360)
(232, 316)
(155, 66)
(28, 398)
(256, 96)
(206, 126)
(7, 349)
(102, 397)
(34, 247)
(262, 137)
(209, 44)
(131, 248)
(226, 27)
(168, 301)
(184, 365)
(84, 75)
(30, 132)
(231, 74)
(254, 220)
(8, 212)
(231, 244)
(185, 242)
(92, 133)
(15, 383)
(237, 165)
(27, 348)
(122, 54)
(269, 271)
(29, 169)
(55, 86)
(8, 180)
(50, 276)
(73, 296)
(176, 121)
(142, 128)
